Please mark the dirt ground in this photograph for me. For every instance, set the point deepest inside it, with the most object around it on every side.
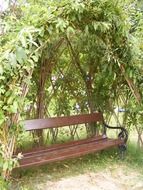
(109, 179)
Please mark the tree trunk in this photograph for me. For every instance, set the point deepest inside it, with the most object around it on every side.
(90, 96)
(41, 99)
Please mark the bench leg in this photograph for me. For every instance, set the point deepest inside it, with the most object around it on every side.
(122, 151)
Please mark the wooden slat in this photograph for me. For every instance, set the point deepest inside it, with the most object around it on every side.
(55, 147)
(69, 152)
(61, 121)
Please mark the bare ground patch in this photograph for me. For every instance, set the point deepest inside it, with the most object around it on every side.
(117, 178)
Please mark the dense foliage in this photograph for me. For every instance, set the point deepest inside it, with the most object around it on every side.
(70, 56)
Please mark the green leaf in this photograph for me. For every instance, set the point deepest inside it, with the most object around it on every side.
(23, 41)
(106, 25)
(14, 107)
(41, 32)
(70, 31)
(32, 42)
(2, 117)
(1, 69)
(35, 58)
(10, 99)
(95, 25)
(5, 166)
(86, 29)
(20, 55)
(12, 59)
(61, 24)
(2, 78)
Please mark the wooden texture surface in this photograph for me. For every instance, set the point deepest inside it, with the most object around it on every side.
(62, 121)
(68, 150)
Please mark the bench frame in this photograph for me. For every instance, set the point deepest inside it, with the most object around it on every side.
(42, 155)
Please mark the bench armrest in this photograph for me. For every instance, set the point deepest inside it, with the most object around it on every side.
(123, 133)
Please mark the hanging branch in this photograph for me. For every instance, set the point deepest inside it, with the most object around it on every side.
(45, 70)
(50, 68)
(76, 60)
(137, 96)
(132, 86)
(55, 90)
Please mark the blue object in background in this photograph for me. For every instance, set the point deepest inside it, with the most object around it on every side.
(119, 109)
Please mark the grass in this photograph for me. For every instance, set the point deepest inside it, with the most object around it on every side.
(135, 157)
(89, 163)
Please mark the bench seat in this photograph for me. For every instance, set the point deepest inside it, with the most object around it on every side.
(64, 151)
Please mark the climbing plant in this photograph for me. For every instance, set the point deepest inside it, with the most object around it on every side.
(69, 56)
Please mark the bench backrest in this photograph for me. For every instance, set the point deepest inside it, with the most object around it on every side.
(55, 122)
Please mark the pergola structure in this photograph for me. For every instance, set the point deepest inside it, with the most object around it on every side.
(62, 61)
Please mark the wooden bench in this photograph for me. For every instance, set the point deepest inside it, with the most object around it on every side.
(58, 152)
